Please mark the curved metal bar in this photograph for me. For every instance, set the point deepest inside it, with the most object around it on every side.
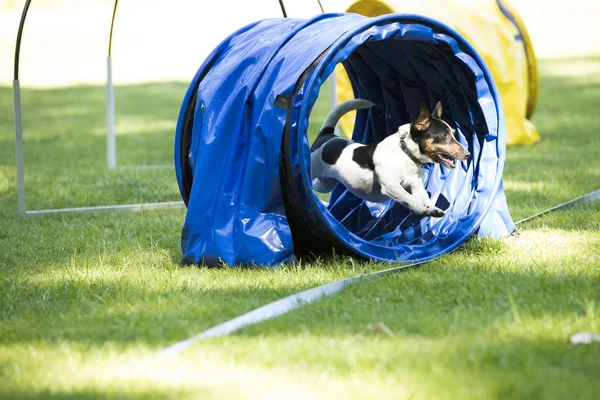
(19, 35)
(282, 8)
(321, 6)
(112, 24)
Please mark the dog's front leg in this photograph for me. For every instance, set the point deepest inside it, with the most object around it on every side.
(417, 189)
(391, 187)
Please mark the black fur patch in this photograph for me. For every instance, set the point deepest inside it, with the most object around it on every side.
(324, 136)
(363, 156)
(332, 150)
(435, 133)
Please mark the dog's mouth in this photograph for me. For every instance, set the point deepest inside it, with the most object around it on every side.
(445, 159)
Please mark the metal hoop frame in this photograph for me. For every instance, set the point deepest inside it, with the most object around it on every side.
(110, 136)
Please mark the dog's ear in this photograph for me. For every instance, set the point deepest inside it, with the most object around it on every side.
(423, 120)
(437, 113)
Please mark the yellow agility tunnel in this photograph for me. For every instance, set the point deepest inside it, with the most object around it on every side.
(498, 34)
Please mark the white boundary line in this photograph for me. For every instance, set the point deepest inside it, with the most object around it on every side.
(289, 303)
(276, 308)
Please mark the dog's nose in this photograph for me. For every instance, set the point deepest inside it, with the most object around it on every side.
(467, 154)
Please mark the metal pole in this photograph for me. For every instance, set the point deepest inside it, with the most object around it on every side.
(111, 141)
(18, 117)
(19, 149)
(118, 207)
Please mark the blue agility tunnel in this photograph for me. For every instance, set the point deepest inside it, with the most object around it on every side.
(242, 152)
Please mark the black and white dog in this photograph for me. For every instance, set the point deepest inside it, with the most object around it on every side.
(390, 169)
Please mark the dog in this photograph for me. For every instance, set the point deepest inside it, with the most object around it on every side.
(391, 168)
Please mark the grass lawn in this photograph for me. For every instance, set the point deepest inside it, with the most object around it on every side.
(86, 300)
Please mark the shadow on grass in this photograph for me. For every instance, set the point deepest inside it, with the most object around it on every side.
(129, 291)
(512, 368)
(461, 322)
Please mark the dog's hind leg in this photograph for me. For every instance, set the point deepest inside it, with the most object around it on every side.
(324, 185)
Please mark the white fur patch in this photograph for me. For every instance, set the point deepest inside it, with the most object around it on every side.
(394, 173)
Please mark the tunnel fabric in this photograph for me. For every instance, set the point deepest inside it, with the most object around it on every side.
(242, 153)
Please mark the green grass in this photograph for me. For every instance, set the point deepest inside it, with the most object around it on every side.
(86, 300)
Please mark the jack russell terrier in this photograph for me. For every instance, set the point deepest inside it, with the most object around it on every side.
(391, 168)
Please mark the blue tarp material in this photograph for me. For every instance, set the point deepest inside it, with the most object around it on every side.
(242, 153)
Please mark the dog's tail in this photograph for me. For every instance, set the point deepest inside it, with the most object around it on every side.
(341, 109)
(327, 130)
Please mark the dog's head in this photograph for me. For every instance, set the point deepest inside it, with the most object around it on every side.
(436, 138)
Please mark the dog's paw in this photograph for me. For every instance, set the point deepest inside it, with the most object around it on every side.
(429, 211)
(436, 213)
